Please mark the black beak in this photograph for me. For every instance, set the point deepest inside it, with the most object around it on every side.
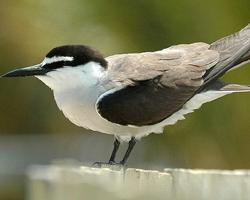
(35, 70)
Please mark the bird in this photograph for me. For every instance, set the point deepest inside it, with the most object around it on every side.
(132, 95)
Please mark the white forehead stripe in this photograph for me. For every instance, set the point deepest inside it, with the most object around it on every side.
(57, 59)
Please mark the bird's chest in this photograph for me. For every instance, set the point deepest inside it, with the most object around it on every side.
(78, 105)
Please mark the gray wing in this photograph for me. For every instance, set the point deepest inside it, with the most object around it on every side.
(180, 65)
(157, 84)
(154, 84)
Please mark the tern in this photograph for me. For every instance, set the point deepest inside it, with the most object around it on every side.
(132, 95)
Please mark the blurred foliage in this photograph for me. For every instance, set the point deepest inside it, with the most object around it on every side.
(216, 136)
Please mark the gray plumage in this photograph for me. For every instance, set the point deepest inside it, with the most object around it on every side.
(157, 84)
(233, 50)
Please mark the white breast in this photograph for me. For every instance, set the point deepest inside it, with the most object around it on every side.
(76, 90)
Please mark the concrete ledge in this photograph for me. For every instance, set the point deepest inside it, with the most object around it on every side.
(57, 182)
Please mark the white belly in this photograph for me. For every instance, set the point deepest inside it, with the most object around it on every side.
(80, 109)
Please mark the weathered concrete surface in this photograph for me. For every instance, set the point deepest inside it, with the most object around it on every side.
(58, 182)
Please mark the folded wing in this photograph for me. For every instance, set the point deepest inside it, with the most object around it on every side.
(154, 84)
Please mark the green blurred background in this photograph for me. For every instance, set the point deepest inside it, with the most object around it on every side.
(34, 131)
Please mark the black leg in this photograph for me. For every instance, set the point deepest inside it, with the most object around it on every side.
(115, 149)
(112, 157)
(131, 145)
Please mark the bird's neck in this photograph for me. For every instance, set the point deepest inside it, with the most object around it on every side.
(75, 85)
(68, 79)
(76, 90)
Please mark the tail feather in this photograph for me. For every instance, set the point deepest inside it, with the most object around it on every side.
(221, 86)
(233, 50)
(236, 88)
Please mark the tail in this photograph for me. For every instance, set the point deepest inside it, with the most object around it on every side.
(219, 89)
(227, 88)
(234, 50)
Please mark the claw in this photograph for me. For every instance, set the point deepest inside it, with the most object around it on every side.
(111, 164)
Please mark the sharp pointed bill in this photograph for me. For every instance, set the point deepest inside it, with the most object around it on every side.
(27, 71)
(60, 57)
(40, 69)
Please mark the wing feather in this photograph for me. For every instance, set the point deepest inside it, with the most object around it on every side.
(155, 84)
(190, 60)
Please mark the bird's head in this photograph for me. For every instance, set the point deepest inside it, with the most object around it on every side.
(59, 60)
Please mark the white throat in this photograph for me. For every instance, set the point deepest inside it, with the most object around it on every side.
(76, 90)
(68, 78)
